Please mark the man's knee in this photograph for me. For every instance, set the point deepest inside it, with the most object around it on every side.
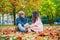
(23, 29)
(17, 29)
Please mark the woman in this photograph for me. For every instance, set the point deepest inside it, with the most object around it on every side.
(36, 25)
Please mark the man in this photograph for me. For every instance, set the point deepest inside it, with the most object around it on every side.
(21, 21)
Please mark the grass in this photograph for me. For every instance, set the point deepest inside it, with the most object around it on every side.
(45, 25)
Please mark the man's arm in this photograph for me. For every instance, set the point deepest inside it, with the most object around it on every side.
(18, 21)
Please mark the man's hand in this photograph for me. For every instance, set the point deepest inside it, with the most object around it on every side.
(26, 25)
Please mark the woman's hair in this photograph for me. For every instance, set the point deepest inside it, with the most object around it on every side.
(34, 16)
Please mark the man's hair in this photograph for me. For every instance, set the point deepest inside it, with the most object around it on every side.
(20, 12)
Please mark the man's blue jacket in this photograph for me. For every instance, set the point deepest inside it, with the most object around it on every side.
(21, 21)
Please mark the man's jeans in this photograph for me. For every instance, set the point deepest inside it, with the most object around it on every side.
(22, 29)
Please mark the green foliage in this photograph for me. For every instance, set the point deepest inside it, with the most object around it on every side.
(0, 5)
(3, 38)
(14, 38)
(50, 9)
(6, 38)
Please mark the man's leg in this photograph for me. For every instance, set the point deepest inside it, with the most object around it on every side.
(21, 28)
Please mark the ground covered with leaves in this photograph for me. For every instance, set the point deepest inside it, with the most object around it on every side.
(49, 33)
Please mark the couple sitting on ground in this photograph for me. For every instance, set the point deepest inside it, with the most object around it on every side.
(23, 25)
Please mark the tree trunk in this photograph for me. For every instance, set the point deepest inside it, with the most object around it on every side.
(14, 13)
(50, 20)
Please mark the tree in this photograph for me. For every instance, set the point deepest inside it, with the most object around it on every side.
(31, 5)
(48, 9)
(57, 8)
(13, 2)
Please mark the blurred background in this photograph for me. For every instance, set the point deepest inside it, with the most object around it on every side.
(49, 10)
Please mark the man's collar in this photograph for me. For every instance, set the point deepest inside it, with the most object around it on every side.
(21, 17)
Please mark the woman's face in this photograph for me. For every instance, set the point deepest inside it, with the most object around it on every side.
(33, 18)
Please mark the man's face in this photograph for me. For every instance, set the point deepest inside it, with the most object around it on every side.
(22, 15)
